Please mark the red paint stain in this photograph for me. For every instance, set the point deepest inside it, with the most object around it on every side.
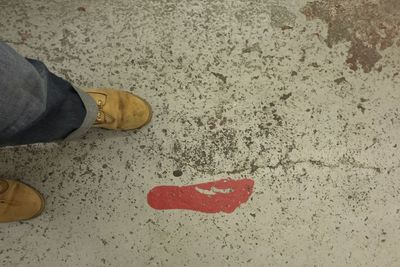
(220, 196)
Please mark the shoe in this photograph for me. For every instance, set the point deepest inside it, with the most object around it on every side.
(120, 110)
(19, 201)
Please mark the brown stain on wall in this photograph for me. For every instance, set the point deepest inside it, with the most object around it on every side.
(369, 25)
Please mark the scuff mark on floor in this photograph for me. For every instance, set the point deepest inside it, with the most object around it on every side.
(282, 18)
(370, 27)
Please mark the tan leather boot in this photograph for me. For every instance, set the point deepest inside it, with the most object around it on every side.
(120, 110)
(19, 201)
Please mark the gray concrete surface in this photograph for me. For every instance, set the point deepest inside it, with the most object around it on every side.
(303, 98)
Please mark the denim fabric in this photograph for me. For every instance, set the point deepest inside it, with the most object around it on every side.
(36, 105)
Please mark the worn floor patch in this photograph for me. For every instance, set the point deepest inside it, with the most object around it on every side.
(281, 17)
(370, 26)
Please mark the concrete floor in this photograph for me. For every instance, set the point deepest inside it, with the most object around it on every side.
(303, 98)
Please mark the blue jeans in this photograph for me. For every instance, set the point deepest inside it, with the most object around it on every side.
(38, 106)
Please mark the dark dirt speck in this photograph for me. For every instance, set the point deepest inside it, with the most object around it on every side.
(220, 76)
(177, 173)
(285, 96)
(340, 80)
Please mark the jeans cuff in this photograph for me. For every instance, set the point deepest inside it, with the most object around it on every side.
(91, 115)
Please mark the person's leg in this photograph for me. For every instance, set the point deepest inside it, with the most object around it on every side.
(35, 106)
(38, 106)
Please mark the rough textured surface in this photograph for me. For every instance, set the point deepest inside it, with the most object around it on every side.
(240, 89)
(368, 25)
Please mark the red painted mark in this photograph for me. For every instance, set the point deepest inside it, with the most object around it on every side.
(220, 196)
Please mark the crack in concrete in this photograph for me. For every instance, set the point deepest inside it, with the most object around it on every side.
(285, 163)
